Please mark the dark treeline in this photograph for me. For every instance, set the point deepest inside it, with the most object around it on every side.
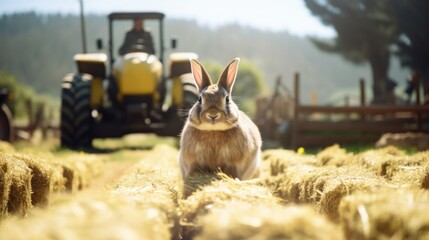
(38, 50)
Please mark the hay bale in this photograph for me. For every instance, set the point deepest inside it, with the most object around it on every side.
(417, 176)
(153, 183)
(70, 175)
(197, 181)
(95, 216)
(5, 182)
(6, 147)
(335, 156)
(420, 141)
(218, 195)
(382, 161)
(43, 179)
(326, 186)
(287, 184)
(280, 159)
(386, 214)
(79, 171)
(20, 189)
(241, 220)
(57, 177)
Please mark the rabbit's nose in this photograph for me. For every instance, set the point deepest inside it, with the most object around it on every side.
(212, 116)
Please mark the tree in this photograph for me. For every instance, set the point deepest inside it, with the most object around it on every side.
(365, 33)
(413, 26)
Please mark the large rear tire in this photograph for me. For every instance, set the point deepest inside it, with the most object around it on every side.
(6, 124)
(177, 115)
(76, 110)
(190, 93)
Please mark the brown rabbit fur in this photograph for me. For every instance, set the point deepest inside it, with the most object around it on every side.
(217, 135)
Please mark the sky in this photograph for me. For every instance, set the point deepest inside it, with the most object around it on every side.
(271, 15)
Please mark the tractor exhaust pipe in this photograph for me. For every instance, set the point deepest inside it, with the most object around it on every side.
(82, 27)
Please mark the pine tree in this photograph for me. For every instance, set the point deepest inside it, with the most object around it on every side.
(365, 31)
(413, 27)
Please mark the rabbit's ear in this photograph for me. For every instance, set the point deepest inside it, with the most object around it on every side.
(229, 74)
(202, 78)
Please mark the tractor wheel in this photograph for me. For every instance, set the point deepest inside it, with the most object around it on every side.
(6, 124)
(178, 114)
(190, 92)
(76, 117)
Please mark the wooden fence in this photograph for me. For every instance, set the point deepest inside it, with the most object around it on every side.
(41, 119)
(327, 125)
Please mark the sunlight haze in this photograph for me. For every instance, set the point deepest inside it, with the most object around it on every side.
(274, 15)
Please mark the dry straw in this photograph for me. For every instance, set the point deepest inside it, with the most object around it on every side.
(328, 185)
(218, 195)
(6, 147)
(280, 159)
(386, 214)
(5, 182)
(335, 156)
(43, 179)
(19, 201)
(152, 184)
(92, 216)
(241, 220)
(79, 171)
(383, 161)
(287, 184)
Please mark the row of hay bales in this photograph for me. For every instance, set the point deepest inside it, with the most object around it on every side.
(214, 206)
(27, 180)
(149, 203)
(142, 204)
(332, 195)
(376, 194)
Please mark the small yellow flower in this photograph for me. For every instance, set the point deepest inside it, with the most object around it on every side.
(300, 150)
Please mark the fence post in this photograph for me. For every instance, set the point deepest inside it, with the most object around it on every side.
(362, 92)
(296, 111)
(362, 102)
(416, 81)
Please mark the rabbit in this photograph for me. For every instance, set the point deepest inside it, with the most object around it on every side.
(217, 135)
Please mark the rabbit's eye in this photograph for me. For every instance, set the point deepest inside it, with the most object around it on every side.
(200, 100)
(227, 99)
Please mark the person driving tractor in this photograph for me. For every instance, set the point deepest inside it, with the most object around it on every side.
(137, 39)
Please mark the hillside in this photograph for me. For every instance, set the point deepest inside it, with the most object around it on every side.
(38, 50)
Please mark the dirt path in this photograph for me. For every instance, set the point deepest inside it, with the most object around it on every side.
(113, 171)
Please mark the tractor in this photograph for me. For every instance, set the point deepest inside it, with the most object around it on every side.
(112, 95)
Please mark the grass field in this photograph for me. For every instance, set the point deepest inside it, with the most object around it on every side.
(131, 188)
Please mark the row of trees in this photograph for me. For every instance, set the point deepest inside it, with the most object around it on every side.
(371, 31)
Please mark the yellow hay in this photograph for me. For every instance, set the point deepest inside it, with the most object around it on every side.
(383, 161)
(412, 175)
(198, 180)
(43, 178)
(154, 184)
(241, 220)
(70, 175)
(287, 185)
(326, 186)
(79, 171)
(5, 182)
(218, 195)
(281, 159)
(20, 189)
(335, 156)
(95, 217)
(386, 214)
(6, 147)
